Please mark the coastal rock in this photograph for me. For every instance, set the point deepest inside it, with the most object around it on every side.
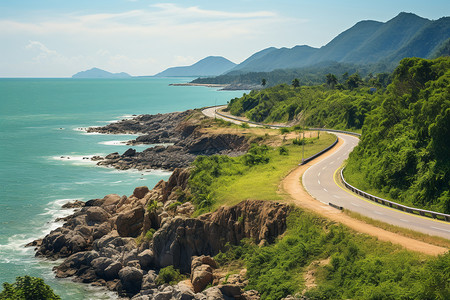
(201, 276)
(129, 223)
(131, 280)
(100, 245)
(140, 192)
(73, 204)
(96, 215)
(183, 135)
(129, 152)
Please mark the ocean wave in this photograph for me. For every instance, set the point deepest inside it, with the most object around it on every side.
(114, 143)
(77, 159)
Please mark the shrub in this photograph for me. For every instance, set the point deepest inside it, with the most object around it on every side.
(284, 130)
(283, 150)
(169, 275)
(28, 288)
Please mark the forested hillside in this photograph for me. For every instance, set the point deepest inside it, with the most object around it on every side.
(341, 104)
(404, 150)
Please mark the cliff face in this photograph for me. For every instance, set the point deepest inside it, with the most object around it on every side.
(99, 241)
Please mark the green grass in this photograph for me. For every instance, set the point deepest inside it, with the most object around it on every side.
(262, 181)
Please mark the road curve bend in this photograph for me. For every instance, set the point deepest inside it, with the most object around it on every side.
(321, 183)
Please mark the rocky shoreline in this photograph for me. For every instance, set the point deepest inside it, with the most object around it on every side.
(122, 242)
(181, 130)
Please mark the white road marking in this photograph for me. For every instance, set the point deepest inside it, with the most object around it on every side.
(378, 213)
(355, 204)
(324, 168)
(325, 190)
(318, 175)
(318, 181)
(403, 220)
(336, 196)
(440, 229)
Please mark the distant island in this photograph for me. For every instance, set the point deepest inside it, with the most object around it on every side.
(99, 73)
(209, 66)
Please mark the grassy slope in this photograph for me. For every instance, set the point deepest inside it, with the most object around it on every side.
(261, 181)
(360, 267)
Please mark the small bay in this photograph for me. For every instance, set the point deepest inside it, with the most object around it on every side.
(43, 156)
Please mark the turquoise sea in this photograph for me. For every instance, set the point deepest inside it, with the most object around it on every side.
(42, 150)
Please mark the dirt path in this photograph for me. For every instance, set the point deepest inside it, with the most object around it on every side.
(293, 188)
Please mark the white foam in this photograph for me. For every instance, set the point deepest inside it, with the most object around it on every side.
(77, 159)
(127, 117)
(114, 143)
(15, 244)
(54, 210)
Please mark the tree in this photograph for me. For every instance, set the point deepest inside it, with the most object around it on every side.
(353, 81)
(28, 288)
(331, 80)
(295, 83)
(263, 82)
(345, 76)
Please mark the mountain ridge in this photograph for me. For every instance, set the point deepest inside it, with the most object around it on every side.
(367, 41)
(208, 66)
(96, 73)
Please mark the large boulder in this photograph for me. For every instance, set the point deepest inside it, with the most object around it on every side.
(140, 192)
(96, 215)
(131, 280)
(129, 223)
(201, 276)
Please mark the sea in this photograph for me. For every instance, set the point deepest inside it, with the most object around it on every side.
(43, 151)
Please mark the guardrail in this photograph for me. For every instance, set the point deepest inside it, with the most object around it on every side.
(319, 153)
(335, 130)
(412, 210)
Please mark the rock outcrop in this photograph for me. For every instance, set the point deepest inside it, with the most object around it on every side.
(121, 242)
(183, 137)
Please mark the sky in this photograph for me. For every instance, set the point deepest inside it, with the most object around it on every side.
(58, 38)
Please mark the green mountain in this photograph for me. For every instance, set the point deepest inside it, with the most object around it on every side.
(209, 66)
(406, 35)
(272, 58)
(96, 73)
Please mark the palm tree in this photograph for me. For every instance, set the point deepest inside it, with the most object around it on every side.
(295, 83)
(331, 80)
(263, 82)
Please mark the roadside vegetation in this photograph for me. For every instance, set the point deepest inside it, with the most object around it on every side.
(341, 263)
(404, 149)
(403, 154)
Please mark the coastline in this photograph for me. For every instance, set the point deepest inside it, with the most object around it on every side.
(210, 85)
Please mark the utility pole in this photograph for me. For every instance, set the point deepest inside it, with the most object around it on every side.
(303, 145)
(215, 108)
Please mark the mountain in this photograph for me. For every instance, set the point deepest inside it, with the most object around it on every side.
(367, 42)
(283, 58)
(209, 66)
(99, 73)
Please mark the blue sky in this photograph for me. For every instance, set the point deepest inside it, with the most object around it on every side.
(55, 38)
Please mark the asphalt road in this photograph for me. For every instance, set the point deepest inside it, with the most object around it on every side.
(319, 181)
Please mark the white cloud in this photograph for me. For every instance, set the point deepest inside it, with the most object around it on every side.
(145, 41)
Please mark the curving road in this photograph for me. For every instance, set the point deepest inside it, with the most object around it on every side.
(319, 180)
